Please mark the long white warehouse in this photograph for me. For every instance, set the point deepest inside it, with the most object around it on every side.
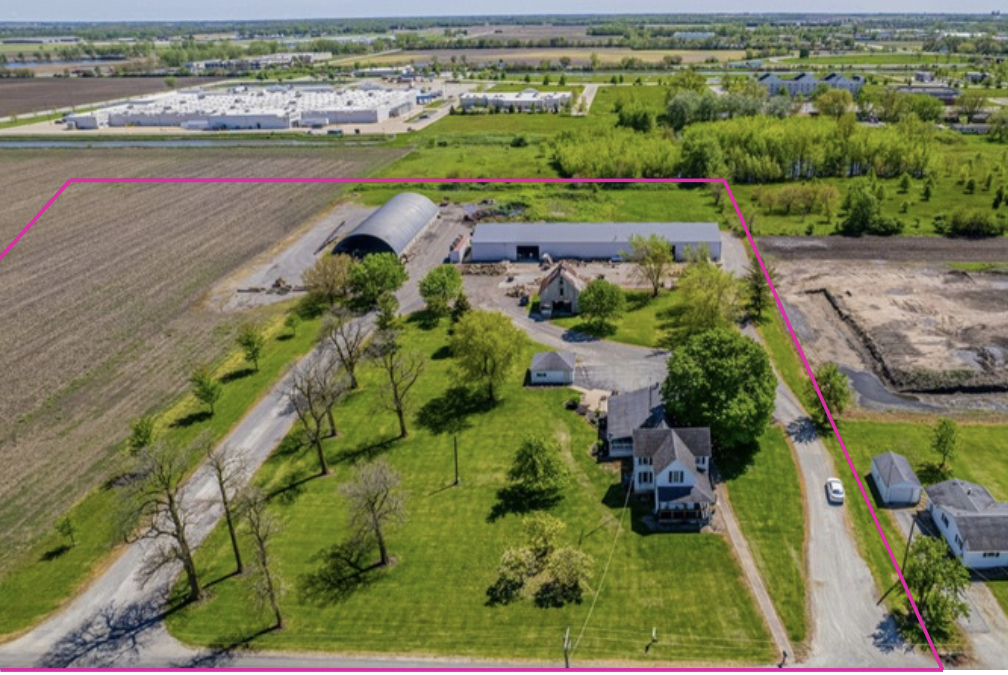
(275, 107)
(493, 242)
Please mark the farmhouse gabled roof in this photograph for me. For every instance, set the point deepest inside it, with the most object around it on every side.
(554, 361)
(665, 445)
(982, 522)
(894, 468)
(699, 493)
(569, 275)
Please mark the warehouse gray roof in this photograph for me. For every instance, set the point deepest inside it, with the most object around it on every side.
(563, 361)
(894, 468)
(541, 233)
(392, 228)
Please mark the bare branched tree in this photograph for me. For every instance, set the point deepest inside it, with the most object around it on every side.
(262, 529)
(230, 469)
(157, 502)
(316, 387)
(348, 335)
(375, 502)
(403, 370)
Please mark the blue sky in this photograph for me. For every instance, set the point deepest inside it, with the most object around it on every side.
(140, 10)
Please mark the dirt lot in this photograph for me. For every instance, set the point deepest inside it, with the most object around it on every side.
(47, 93)
(103, 299)
(885, 248)
(919, 326)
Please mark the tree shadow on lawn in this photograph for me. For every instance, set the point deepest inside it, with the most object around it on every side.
(733, 463)
(191, 419)
(615, 497)
(54, 553)
(931, 473)
(589, 331)
(340, 574)
(424, 319)
(450, 412)
(365, 451)
(236, 375)
(516, 500)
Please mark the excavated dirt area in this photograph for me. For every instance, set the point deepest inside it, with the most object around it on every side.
(921, 328)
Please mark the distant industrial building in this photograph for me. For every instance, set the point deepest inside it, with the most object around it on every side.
(924, 76)
(529, 100)
(280, 60)
(493, 242)
(692, 35)
(392, 228)
(947, 95)
(805, 83)
(274, 107)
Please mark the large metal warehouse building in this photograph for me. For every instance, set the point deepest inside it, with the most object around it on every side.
(493, 242)
(392, 228)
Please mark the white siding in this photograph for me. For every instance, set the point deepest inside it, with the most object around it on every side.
(950, 531)
(551, 377)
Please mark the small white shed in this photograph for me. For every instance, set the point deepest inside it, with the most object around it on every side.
(895, 480)
(553, 368)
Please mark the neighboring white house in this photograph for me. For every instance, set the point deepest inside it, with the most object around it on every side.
(671, 467)
(552, 368)
(626, 413)
(974, 525)
(895, 480)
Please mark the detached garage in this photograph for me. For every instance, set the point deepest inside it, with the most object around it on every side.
(553, 368)
(895, 480)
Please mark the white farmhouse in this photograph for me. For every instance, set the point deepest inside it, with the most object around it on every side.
(671, 468)
(974, 525)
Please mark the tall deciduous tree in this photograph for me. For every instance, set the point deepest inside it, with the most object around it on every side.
(945, 440)
(601, 302)
(348, 336)
(440, 288)
(402, 370)
(709, 298)
(206, 388)
(328, 280)
(316, 387)
(653, 257)
(376, 502)
(252, 340)
(229, 470)
(374, 276)
(537, 469)
(722, 380)
(263, 528)
(156, 501)
(486, 346)
(835, 390)
(937, 582)
(141, 434)
(758, 296)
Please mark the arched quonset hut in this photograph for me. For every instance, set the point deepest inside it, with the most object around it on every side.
(392, 228)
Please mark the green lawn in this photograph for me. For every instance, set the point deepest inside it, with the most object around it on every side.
(643, 324)
(49, 573)
(434, 599)
(768, 501)
(780, 346)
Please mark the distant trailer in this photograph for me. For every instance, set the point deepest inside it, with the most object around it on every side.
(532, 242)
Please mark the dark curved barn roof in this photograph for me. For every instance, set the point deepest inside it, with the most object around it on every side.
(392, 227)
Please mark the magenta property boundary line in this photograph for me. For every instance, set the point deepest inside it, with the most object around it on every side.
(773, 290)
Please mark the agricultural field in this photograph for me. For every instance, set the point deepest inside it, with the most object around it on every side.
(103, 316)
(20, 96)
(434, 599)
(898, 58)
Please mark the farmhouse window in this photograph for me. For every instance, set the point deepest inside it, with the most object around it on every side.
(992, 554)
(945, 520)
(644, 477)
(675, 476)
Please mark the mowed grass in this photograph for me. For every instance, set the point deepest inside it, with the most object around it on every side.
(779, 344)
(769, 504)
(433, 600)
(643, 324)
(51, 571)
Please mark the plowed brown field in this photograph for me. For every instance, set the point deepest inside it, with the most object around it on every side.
(101, 301)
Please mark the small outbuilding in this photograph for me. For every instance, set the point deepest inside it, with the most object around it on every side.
(895, 479)
(553, 368)
(392, 228)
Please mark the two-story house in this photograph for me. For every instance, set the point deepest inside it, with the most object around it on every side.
(671, 467)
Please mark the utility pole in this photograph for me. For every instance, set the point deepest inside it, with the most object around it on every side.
(567, 648)
(456, 460)
(913, 524)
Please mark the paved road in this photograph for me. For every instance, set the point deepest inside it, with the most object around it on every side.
(849, 627)
(584, 104)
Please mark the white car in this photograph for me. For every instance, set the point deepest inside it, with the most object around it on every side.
(834, 490)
